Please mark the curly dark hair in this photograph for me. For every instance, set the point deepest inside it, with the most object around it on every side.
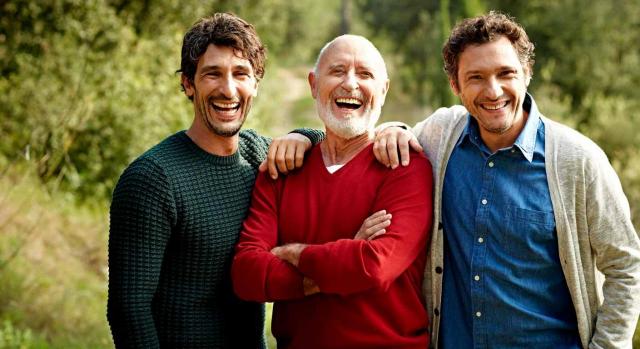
(484, 29)
(223, 29)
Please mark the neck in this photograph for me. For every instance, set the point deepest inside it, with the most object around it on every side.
(497, 141)
(211, 142)
(338, 151)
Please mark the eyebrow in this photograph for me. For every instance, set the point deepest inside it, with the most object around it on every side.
(208, 68)
(501, 68)
(360, 67)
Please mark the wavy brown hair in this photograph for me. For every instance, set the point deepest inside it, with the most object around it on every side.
(483, 29)
(222, 29)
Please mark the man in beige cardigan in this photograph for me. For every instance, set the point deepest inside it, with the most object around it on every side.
(532, 243)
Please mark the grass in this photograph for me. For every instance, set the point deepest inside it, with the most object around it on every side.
(52, 267)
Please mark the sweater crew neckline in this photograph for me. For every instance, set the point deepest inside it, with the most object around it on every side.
(220, 160)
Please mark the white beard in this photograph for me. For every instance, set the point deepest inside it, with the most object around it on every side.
(350, 126)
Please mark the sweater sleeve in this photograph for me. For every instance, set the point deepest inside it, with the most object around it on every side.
(140, 224)
(350, 266)
(257, 274)
(617, 253)
(315, 136)
(254, 147)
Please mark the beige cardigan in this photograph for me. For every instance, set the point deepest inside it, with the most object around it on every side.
(598, 245)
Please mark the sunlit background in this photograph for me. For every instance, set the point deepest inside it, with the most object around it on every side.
(86, 86)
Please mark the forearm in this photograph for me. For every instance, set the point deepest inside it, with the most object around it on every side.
(260, 276)
(131, 322)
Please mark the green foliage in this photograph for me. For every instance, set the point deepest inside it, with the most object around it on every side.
(79, 91)
(13, 338)
(52, 265)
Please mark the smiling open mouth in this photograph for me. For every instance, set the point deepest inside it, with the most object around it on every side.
(348, 103)
(225, 107)
(495, 106)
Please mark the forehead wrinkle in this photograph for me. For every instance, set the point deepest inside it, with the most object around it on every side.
(354, 46)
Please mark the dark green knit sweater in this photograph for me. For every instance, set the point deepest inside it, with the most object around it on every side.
(175, 218)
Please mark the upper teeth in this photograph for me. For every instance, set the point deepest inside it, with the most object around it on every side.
(226, 105)
(348, 101)
(495, 107)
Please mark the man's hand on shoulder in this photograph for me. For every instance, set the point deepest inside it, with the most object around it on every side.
(285, 154)
(391, 145)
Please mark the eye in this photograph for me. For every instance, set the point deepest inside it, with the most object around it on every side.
(337, 72)
(366, 74)
(474, 77)
(509, 74)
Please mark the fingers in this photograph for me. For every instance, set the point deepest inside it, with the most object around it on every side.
(263, 166)
(380, 226)
(376, 234)
(286, 154)
(376, 218)
(376, 215)
(281, 161)
(380, 150)
(415, 145)
(404, 140)
(392, 150)
(290, 157)
(374, 225)
(301, 148)
(271, 161)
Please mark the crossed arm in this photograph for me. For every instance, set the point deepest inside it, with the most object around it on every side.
(372, 227)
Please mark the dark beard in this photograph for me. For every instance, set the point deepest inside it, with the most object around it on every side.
(221, 132)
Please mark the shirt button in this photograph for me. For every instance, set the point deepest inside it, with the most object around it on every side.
(491, 164)
(477, 277)
(484, 201)
(480, 240)
(478, 314)
(513, 150)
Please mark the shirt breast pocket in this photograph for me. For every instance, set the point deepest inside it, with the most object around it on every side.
(533, 231)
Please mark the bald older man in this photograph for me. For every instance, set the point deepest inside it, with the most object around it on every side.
(301, 245)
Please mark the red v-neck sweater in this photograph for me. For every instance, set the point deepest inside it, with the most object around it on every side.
(370, 290)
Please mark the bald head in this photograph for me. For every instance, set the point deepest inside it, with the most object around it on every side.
(350, 42)
(349, 83)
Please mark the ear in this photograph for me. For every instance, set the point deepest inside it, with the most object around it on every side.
(527, 77)
(255, 90)
(454, 86)
(385, 89)
(312, 84)
(189, 89)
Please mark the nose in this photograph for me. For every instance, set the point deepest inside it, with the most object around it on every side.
(228, 87)
(494, 88)
(350, 82)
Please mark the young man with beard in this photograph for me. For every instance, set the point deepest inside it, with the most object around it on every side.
(529, 214)
(297, 247)
(177, 209)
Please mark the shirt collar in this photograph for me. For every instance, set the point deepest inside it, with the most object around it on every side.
(526, 140)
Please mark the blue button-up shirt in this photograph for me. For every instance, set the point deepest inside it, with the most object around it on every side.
(503, 284)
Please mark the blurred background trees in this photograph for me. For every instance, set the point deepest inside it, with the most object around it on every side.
(86, 86)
